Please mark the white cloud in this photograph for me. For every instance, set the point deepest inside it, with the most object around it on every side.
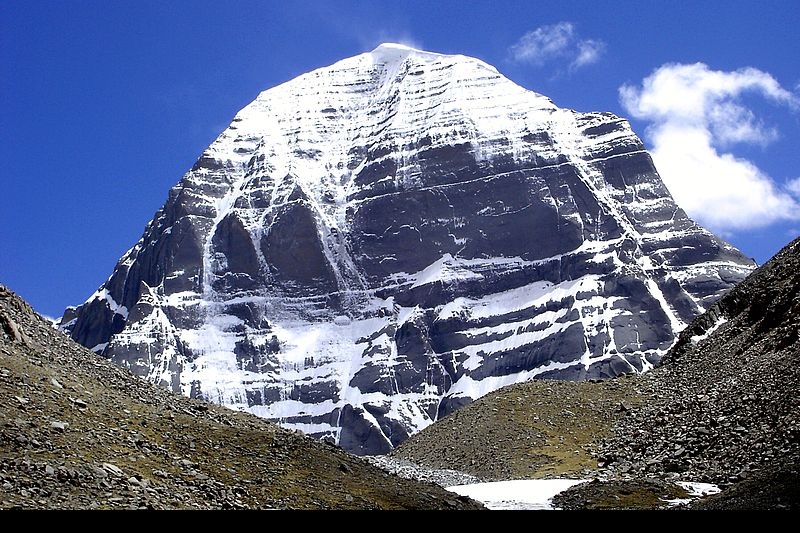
(589, 51)
(556, 42)
(405, 40)
(794, 187)
(696, 116)
(370, 38)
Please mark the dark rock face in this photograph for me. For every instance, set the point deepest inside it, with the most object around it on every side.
(294, 253)
(377, 243)
(233, 241)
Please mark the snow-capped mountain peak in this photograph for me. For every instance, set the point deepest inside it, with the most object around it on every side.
(396, 52)
(375, 243)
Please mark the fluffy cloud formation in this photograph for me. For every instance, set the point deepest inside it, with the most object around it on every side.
(696, 115)
(589, 51)
(556, 42)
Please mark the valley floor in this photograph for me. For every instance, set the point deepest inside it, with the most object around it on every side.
(542, 494)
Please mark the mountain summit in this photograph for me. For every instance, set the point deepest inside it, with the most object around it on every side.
(376, 243)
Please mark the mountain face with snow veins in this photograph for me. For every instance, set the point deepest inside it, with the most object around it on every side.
(376, 243)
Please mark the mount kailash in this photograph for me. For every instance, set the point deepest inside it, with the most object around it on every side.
(376, 243)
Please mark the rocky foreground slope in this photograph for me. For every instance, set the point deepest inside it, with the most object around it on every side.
(724, 408)
(77, 432)
(376, 243)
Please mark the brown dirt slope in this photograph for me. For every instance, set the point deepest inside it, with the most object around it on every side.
(76, 432)
(539, 429)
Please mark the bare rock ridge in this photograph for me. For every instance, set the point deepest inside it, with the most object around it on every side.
(376, 243)
(723, 407)
(78, 432)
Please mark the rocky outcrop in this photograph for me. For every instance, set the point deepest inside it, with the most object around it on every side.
(378, 242)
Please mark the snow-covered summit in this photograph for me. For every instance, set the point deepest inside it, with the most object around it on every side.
(392, 52)
(378, 242)
(399, 47)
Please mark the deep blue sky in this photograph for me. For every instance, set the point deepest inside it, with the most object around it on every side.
(105, 104)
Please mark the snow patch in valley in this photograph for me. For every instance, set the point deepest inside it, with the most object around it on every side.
(517, 494)
(538, 494)
(697, 489)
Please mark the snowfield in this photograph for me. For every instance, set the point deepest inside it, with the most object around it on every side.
(517, 494)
